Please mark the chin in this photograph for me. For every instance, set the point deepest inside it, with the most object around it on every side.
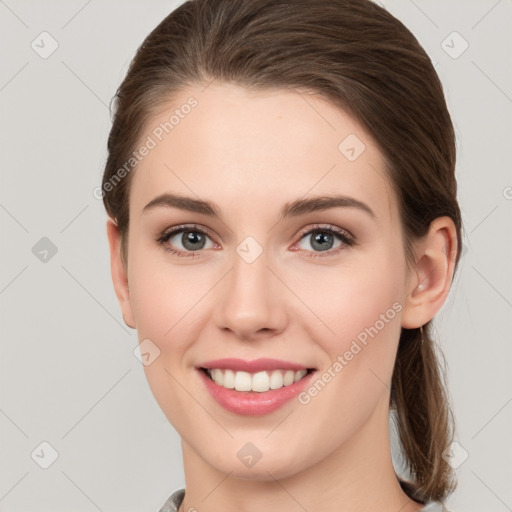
(266, 468)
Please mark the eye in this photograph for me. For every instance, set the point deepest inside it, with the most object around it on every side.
(323, 239)
(187, 238)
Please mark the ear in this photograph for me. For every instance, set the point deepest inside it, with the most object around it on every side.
(432, 274)
(119, 273)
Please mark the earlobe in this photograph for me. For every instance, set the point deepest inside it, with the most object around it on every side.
(433, 274)
(119, 273)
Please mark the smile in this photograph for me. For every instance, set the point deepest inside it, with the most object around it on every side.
(253, 388)
(259, 382)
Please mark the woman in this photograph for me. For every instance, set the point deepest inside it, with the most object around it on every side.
(283, 227)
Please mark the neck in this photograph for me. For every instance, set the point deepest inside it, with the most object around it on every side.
(359, 476)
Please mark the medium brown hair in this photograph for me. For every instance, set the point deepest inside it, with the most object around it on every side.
(362, 59)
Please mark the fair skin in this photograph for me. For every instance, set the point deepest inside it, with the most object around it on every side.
(251, 153)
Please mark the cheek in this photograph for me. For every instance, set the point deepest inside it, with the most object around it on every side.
(357, 303)
(166, 299)
(356, 323)
(167, 306)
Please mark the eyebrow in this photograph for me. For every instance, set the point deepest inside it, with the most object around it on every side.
(290, 209)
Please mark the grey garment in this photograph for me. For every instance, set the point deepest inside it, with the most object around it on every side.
(174, 501)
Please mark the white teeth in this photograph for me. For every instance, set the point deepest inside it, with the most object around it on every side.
(288, 378)
(217, 376)
(299, 375)
(242, 381)
(229, 379)
(259, 382)
(276, 380)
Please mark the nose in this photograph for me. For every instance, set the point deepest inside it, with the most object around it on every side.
(251, 300)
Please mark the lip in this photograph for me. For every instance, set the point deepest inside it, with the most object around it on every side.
(253, 403)
(257, 365)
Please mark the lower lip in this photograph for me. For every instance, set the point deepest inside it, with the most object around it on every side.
(253, 403)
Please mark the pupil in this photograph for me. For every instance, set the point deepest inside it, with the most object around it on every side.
(191, 237)
(321, 239)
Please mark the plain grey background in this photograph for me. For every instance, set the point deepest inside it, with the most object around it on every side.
(68, 374)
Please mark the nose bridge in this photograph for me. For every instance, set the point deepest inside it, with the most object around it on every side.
(248, 300)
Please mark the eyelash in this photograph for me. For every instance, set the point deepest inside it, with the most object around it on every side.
(343, 235)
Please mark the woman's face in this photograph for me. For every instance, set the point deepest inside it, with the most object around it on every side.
(255, 286)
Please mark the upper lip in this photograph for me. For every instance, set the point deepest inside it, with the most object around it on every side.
(256, 365)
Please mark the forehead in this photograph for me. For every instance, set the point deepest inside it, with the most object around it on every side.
(234, 146)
